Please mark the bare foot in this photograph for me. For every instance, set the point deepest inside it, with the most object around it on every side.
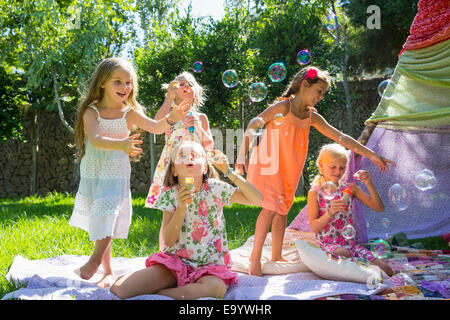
(255, 268)
(280, 259)
(87, 270)
(106, 281)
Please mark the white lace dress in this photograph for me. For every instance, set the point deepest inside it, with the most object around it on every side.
(103, 201)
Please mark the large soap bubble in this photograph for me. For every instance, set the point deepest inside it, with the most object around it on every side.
(230, 78)
(257, 91)
(399, 197)
(425, 180)
(277, 72)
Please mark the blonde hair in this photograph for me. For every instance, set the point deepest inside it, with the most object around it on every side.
(171, 180)
(95, 94)
(199, 91)
(296, 81)
(328, 152)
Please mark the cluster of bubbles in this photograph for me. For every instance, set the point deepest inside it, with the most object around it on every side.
(399, 196)
(276, 72)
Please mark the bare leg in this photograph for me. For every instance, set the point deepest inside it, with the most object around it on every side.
(108, 276)
(206, 286)
(146, 281)
(263, 223)
(90, 268)
(278, 228)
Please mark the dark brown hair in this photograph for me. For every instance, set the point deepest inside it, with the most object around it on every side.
(296, 81)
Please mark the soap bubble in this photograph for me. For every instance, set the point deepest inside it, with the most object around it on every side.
(329, 188)
(386, 89)
(230, 78)
(425, 180)
(277, 72)
(278, 119)
(348, 232)
(331, 22)
(303, 57)
(399, 197)
(198, 66)
(380, 248)
(257, 91)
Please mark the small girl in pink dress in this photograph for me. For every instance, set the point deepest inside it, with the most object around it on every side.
(196, 262)
(330, 206)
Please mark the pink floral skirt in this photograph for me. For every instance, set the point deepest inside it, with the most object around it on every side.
(186, 274)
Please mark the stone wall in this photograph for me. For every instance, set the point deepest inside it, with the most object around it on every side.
(55, 166)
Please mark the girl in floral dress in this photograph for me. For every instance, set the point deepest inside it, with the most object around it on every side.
(183, 89)
(196, 262)
(330, 206)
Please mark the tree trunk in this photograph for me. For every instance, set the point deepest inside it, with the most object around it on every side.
(35, 152)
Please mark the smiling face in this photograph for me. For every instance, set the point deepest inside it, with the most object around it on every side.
(117, 87)
(313, 93)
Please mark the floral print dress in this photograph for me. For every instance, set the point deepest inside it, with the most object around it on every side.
(335, 233)
(202, 239)
(174, 136)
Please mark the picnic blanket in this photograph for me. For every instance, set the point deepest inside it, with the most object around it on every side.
(53, 279)
(419, 275)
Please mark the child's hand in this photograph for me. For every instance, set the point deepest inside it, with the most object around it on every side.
(190, 120)
(220, 161)
(129, 147)
(337, 206)
(179, 112)
(364, 176)
(381, 162)
(172, 90)
(241, 164)
(184, 197)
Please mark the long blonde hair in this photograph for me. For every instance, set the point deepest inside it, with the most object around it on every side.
(199, 91)
(296, 81)
(95, 94)
(328, 152)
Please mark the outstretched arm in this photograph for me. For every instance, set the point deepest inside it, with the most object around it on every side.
(348, 142)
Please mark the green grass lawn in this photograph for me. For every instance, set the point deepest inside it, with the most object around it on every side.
(37, 228)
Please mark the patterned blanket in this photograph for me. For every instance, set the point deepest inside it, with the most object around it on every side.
(419, 275)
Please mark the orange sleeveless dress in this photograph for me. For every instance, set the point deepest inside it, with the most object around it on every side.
(276, 164)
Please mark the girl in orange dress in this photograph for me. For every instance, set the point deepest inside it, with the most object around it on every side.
(276, 164)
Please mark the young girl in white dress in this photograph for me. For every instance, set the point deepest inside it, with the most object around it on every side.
(102, 136)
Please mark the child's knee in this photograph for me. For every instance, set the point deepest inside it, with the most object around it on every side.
(215, 287)
(117, 290)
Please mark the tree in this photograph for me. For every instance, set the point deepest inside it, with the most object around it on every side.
(58, 44)
(375, 49)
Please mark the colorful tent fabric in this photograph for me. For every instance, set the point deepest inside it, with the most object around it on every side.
(411, 126)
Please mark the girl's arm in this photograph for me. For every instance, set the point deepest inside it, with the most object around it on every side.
(254, 124)
(203, 131)
(371, 200)
(246, 192)
(172, 222)
(157, 126)
(99, 141)
(316, 223)
(170, 97)
(348, 142)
